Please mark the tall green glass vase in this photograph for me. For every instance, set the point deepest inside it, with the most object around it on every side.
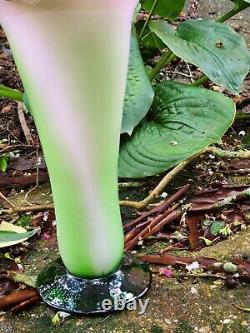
(72, 56)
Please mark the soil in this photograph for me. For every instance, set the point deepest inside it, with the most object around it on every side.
(176, 305)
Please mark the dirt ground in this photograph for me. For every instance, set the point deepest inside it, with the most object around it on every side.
(176, 305)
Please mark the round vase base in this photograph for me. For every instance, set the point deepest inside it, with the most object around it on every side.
(115, 292)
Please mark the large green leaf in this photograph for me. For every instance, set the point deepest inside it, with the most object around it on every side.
(183, 120)
(214, 47)
(170, 9)
(139, 92)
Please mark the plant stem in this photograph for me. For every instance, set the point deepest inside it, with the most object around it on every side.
(166, 59)
(237, 9)
(10, 93)
(147, 20)
(202, 79)
(242, 116)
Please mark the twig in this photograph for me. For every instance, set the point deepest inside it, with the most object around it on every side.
(37, 180)
(23, 180)
(163, 183)
(33, 208)
(17, 297)
(158, 209)
(196, 275)
(232, 199)
(14, 147)
(130, 184)
(6, 200)
(228, 153)
(190, 76)
(155, 226)
(23, 305)
(169, 176)
(146, 229)
(205, 207)
(25, 128)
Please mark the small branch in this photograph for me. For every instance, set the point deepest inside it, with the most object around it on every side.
(14, 147)
(23, 305)
(6, 200)
(232, 199)
(158, 209)
(154, 226)
(200, 275)
(24, 180)
(130, 184)
(228, 153)
(17, 297)
(25, 128)
(34, 208)
(163, 183)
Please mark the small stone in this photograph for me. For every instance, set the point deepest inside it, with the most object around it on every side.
(229, 267)
(242, 133)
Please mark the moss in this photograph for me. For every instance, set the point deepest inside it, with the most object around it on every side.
(24, 221)
(184, 327)
(156, 329)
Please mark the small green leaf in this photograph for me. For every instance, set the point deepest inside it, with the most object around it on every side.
(214, 47)
(207, 222)
(216, 227)
(208, 242)
(168, 8)
(139, 92)
(56, 321)
(226, 231)
(4, 163)
(183, 120)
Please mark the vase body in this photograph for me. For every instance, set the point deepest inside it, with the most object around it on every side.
(73, 57)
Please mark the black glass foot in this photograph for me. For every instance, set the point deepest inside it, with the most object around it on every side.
(65, 292)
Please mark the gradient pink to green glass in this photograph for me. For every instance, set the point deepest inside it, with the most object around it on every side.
(72, 56)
